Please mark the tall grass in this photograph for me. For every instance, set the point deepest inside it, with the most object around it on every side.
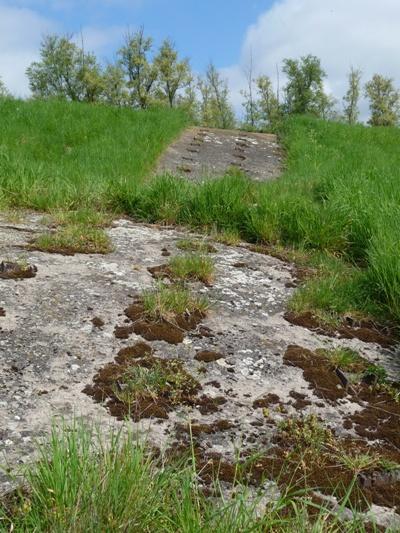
(338, 198)
(65, 154)
(84, 482)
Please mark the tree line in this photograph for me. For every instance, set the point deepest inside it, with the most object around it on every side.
(142, 77)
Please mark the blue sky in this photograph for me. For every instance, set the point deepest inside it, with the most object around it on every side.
(342, 33)
(204, 30)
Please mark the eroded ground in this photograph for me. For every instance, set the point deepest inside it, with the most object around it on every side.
(207, 152)
(246, 370)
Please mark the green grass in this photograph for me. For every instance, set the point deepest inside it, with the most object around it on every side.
(84, 482)
(338, 200)
(74, 238)
(57, 154)
(165, 301)
(193, 266)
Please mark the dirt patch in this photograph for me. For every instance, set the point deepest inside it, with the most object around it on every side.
(11, 270)
(208, 405)
(143, 388)
(2, 312)
(380, 419)
(197, 429)
(137, 351)
(300, 400)
(267, 400)
(365, 331)
(207, 356)
(171, 331)
(307, 456)
(123, 332)
(97, 322)
(317, 371)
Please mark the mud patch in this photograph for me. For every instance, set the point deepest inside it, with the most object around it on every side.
(267, 400)
(317, 371)
(11, 270)
(149, 387)
(197, 429)
(97, 322)
(365, 331)
(207, 356)
(171, 331)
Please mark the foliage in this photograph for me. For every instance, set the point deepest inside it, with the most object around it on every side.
(384, 101)
(304, 91)
(3, 89)
(172, 73)
(352, 96)
(140, 72)
(268, 105)
(216, 110)
(65, 71)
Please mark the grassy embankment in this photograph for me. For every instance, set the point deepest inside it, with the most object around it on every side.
(337, 207)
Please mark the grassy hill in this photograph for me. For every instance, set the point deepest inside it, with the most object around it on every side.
(64, 154)
(336, 208)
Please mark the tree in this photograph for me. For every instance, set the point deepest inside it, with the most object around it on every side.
(115, 91)
(251, 118)
(352, 96)
(304, 91)
(384, 101)
(172, 73)
(64, 71)
(3, 90)
(268, 104)
(141, 73)
(216, 110)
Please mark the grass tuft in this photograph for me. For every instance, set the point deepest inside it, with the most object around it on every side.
(192, 266)
(165, 301)
(73, 239)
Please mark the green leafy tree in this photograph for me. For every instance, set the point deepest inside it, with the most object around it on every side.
(140, 72)
(384, 101)
(173, 74)
(65, 71)
(352, 96)
(268, 104)
(189, 102)
(251, 117)
(3, 90)
(115, 91)
(304, 91)
(215, 109)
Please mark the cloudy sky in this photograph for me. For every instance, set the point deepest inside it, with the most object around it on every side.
(362, 33)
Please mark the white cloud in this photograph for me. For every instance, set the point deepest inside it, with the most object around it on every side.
(362, 33)
(21, 30)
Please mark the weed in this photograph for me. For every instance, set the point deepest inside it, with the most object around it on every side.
(164, 302)
(192, 266)
(345, 358)
(196, 245)
(74, 239)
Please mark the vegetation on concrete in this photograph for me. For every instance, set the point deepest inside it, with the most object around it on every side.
(74, 238)
(166, 301)
(192, 266)
(85, 482)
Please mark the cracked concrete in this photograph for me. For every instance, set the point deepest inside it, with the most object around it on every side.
(49, 348)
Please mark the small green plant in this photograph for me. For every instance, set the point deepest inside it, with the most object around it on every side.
(345, 358)
(305, 433)
(74, 239)
(376, 374)
(192, 266)
(166, 378)
(164, 302)
(195, 245)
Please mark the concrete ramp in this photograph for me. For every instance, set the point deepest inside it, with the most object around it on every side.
(204, 152)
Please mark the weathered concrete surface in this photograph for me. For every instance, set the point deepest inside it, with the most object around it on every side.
(206, 152)
(49, 348)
